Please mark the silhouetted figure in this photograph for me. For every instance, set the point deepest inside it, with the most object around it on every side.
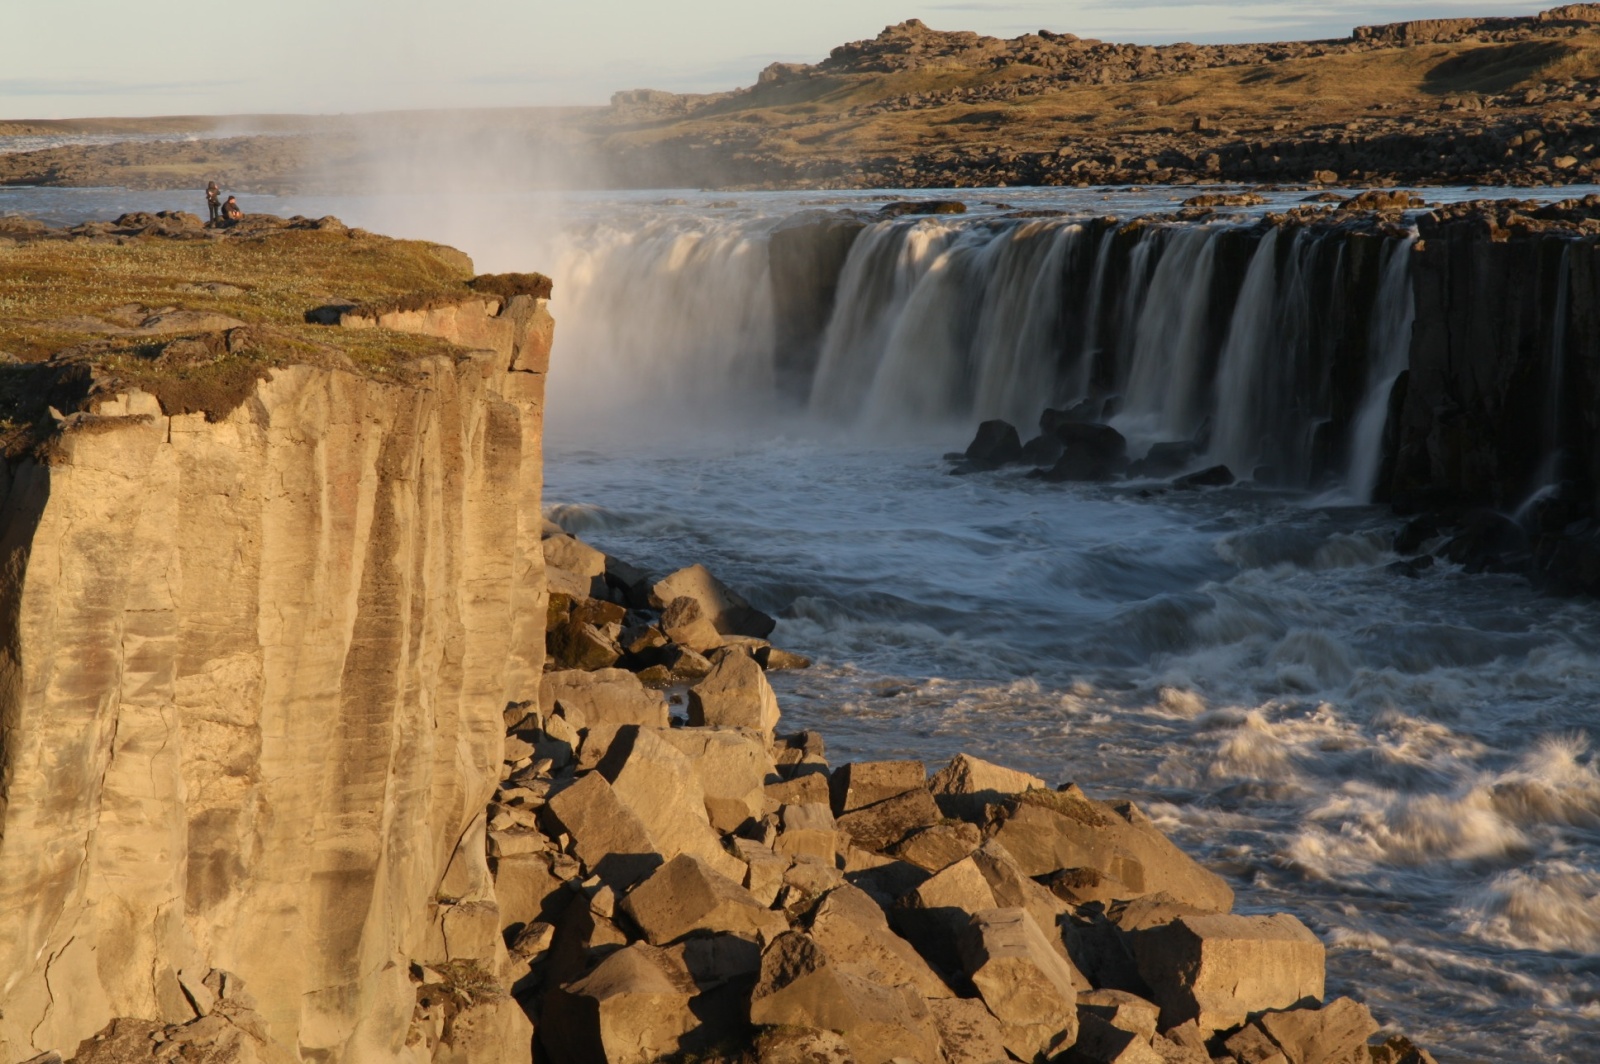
(231, 212)
(214, 200)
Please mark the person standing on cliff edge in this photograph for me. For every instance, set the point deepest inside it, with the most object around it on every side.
(214, 200)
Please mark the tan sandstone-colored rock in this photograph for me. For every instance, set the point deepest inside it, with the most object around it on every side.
(849, 925)
(1023, 981)
(938, 846)
(1336, 1033)
(1046, 831)
(573, 555)
(971, 1035)
(252, 673)
(735, 694)
(724, 608)
(967, 784)
(730, 763)
(1218, 969)
(632, 1009)
(800, 986)
(685, 623)
(859, 784)
(613, 697)
(659, 784)
(880, 826)
(607, 835)
(687, 895)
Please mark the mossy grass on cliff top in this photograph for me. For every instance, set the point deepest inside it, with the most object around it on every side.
(197, 316)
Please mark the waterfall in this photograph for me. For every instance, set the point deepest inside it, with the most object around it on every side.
(1272, 348)
(675, 309)
(1392, 318)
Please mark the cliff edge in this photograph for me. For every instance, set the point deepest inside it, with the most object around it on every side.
(254, 657)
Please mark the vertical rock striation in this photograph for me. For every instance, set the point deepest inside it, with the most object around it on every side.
(252, 675)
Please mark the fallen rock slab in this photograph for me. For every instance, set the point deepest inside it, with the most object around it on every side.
(735, 694)
(1216, 970)
(1025, 984)
(721, 605)
(687, 895)
(632, 1009)
(965, 786)
(606, 696)
(1336, 1033)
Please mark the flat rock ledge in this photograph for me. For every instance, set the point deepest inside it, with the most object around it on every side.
(678, 879)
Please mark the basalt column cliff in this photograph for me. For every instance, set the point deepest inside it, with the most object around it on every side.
(253, 666)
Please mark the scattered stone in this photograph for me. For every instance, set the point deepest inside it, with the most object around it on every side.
(967, 785)
(862, 783)
(938, 846)
(849, 925)
(1022, 980)
(686, 624)
(880, 826)
(735, 694)
(659, 784)
(996, 444)
(687, 895)
(1336, 1033)
(607, 836)
(607, 696)
(632, 1009)
(575, 556)
(971, 1035)
(727, 611)
(801, 987)
(1217, 476)
(1216, 970)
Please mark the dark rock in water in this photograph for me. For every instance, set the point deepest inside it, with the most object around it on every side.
(1088, 452)
(1083, 412)
(996, 443)
(1489, 542)
(1217, 476)
(1266, 476)
(1164, 459)
(1412, 568)
(1042, 450)
(903, 207)
(1417, 531)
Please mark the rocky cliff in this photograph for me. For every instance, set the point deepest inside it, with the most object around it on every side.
(253, 666)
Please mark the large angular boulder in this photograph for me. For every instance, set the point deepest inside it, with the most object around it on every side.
(574, 555)
(686, 895)
(659, 784)
(849, 925)
(607, 696)
(997, 443)
(933, 916)
(729, 613)
(880, 826)
(965, 786)
(1216, 969)
(800, 986)
(607, 835)
(632, 1009)
(686, 624)
(1100, 1042)
(971, 1035)
(859, 784)
(938, 846)
(1336, 1033)
(735, 694)
(1014, 890)
(1022, 980)
(1046, 831)
(733, 764)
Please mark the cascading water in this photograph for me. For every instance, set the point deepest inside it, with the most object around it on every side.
(1391, 346)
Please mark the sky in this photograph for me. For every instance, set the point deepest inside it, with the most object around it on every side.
(94, 58)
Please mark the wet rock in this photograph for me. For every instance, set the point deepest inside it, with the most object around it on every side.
(967, 785)
(996, 444)
(1217, 969)
(686, 895)
(1217, 476)
(1089, 453)
(727, 611)
(632, 1009)
(1043, 451)
(606, 696)
(1024, 983)
(801, 987)
(1399, 1049)
(1336, 1033)
(1488, 542)
(1164, 459)
(858, 784)
(775, 659)
(735, 694)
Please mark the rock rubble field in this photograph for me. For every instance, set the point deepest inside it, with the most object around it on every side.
(680, 878)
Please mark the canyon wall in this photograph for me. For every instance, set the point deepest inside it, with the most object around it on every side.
(252, 678)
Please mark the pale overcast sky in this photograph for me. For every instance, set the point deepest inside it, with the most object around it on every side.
(80, 58)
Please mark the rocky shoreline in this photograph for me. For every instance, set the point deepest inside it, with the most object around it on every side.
(679, 879)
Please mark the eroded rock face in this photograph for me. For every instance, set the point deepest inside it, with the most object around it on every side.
(251, 682)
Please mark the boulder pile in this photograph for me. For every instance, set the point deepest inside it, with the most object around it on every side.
(678, 878)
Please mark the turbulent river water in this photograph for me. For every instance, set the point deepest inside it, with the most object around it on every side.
(1404, 763)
